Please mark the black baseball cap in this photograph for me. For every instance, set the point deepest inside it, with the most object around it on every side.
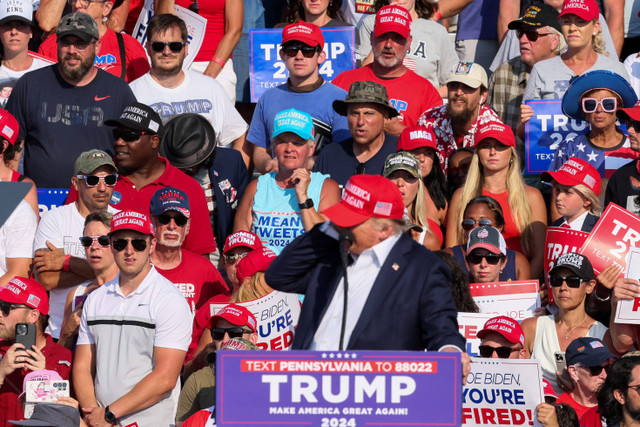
(537, 16)
(139, 117)
(577, 263)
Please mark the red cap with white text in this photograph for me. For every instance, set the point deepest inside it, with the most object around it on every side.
(244, 239)
(393, 19)
(573, 172)
(130, 220)
(22, 290)
(496, 130)
(417, 137)
(583, 9)
(304, 32)
(236, 315)
(509, 328)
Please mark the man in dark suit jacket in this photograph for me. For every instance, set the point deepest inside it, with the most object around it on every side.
(399, 292)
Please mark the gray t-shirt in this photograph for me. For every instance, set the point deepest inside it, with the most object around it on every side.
(432, 54)
(549, 79)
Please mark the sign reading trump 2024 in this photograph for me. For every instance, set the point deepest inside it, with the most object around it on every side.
(268, 70)
(338, 388)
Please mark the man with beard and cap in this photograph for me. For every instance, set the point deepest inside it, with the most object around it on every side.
(456, 122)
(61, 108)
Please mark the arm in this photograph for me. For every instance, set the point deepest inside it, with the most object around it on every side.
(263, 161)
(523, 268)
(529, 327)
(48, 263)
(623, 336)
(32, 197)
(329, 196)
(451, 239)
(233, 20)
(538, 227)
(70, 322)
(448, 8)
(15, 267)
(199, 361)
(614, 14)
(163, 6)
(83, 370)
(246, 150)
(244, 214)
(118, 16)
(509, 11)
(49, 13)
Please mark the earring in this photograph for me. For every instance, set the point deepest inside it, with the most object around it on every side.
(104, 19)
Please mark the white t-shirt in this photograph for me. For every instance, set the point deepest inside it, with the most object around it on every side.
(196, 94)
(63, 227)
(9, 77)
(16, 234)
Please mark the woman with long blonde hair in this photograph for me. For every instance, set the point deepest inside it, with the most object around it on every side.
(495, 172)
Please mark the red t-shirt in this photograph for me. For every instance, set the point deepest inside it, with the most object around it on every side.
(197, 279)
(58, 359)
(591, 418)
(135, 7)
(566, 398)
(213, 10)
(510, 233)
(108, 58)
(200, 321)
(410, 93)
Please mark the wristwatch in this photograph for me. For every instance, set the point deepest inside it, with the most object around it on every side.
(109, 416)
(306, 205)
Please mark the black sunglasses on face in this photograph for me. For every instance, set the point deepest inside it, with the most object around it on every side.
(179, 219)
(218, 333)
(492, 259)
(93, 180)
(6, 307)
(469, 224)
(572, 281)
(174, 47)
(487, 351)
(629, 123)
(232, 259)
(307, 51)
(119, 245)
(127, 135)
(532, 35)
(87, 241)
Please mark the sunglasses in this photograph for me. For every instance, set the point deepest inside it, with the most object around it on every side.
(609, 104)
(127, 135)
(179, 219)
(487, 351)
(119, 245)
(307, 51)
(532, 35)
(492, 259)
(174, 47)
(6, 307)
(572, 281)
(232, 259)
(218, 333)
(597, 370)
(87, 241)
(469, 224)
(629, 123)
(93, 180)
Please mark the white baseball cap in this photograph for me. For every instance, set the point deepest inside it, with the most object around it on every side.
(16, 10)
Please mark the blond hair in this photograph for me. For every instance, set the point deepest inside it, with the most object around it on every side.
(589, 195)
(253, 287)
(597, 41)
(419, 209)
(517, 200)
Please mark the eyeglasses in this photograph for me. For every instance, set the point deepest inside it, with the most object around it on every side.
(629, 123)
(307, 51)
(174, 47)
(119, 245)
(6, 307)
(87, 241)
(232, 259)
(609, 104)
(218, 333)
(487, 351)
(597, 370)
(635, 387)
(469, 224)
(83, 3)
(179, 219)
(492, 259)
(93, 180)
(78, 44)
(127, 135)
(532, 35)
(572, 281)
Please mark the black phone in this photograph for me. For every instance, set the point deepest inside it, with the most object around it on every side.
(26, 334)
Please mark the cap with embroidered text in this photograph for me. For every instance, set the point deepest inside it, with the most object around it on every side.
(416, 137)
(393, 19)
(78, 24)
(89, 161)
(577, 263)
(575, 171)
(255, 261)
(488, 238)
(9, 128)
(294, 121)
(244, 239)
(139, 117)
(496, 130)
(16, 10)
(587, 351)
(537, 16)
(402, 160)
(22, 290)
(584, 9)
(470, 74)
(131, 220)
(170, 199)
(236, 315)
(509, 328)
(305, 32)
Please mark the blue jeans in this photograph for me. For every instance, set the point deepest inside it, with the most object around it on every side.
(253, 18)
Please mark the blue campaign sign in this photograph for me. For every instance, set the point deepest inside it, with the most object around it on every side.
(267, 70)
(49, 198)
(546, 129)
(345, 388)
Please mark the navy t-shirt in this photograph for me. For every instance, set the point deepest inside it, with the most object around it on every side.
(59, 121)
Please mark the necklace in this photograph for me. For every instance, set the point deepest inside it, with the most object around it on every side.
(566, 334)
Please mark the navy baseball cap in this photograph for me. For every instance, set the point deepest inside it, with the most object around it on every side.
(587, 351)
(170, 199)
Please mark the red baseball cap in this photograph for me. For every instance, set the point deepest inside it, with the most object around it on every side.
(505, 326)
(305, 32)
(236, 315)
(9, 128)
(245, 239)
(393, 19)
(21, 290)
(573, 172)
(496, 130)
(255, 261)
(416, 137)
(130, 220)
(364, 197)
(633, 113)
(548, 389)
(584, 9)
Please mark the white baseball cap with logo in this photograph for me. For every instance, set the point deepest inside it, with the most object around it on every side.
(16, 10)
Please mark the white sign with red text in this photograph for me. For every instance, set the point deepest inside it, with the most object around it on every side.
(628, 311)
(516, 299)
(469, 325)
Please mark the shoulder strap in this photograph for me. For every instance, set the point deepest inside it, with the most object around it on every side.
(123, 58)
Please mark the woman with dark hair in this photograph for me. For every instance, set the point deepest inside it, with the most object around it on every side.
(459, 284)
(323, 13)
(432, 53)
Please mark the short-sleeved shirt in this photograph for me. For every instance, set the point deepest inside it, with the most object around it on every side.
(59, 121)
(9, 77)
(125, 331)
(624, 187)
(127, 197)
(17, 234)
(410, 94)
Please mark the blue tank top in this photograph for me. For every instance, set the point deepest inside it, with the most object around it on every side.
(508, 274)
(276, 215)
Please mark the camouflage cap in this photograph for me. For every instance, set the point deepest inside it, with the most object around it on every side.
(365, 92)
(91, 160)
(78, 24)
(402, 160)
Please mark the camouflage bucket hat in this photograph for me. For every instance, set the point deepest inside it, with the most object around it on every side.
(365, 92)
(80, 25)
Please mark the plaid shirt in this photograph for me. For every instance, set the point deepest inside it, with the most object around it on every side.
(506, 89)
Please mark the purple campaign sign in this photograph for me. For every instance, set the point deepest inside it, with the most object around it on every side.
(332, 389)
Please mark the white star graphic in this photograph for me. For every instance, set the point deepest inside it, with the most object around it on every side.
(560, 152)
(346, 355)
(339, 355)
(324, 355)
(581, 146)
(331, 356)
(593, 156)
(353, 355)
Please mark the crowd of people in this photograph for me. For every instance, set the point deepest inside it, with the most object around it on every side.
(390, 188)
